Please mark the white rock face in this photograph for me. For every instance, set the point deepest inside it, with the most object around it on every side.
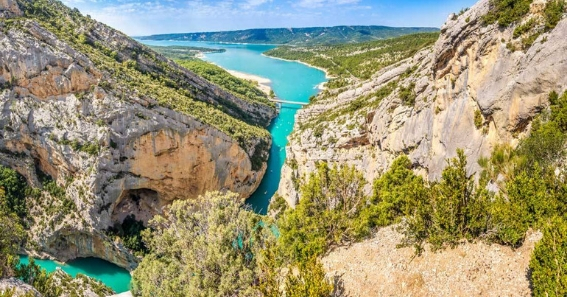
(469, 69)
(18, 287)
(53, 108)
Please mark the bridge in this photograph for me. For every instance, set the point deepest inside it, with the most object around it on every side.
(289, 102)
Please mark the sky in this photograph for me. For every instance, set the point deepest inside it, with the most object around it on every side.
(145, 17)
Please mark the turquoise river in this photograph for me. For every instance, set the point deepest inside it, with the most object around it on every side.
(290, 81)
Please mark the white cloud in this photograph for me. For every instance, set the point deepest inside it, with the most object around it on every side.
(324, 3)
(249, 4)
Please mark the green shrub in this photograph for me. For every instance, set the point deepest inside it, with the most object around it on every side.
(130, 230)
(12, 237)
(478, 119)
(524, 28)
(395, 194)
(549, 260)
(506, 12)
(331, 200)
(14, 188)
(206, 247)
(407, 94)
(38, 278)
(553, 13)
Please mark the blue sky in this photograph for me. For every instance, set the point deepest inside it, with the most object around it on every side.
(177, 16)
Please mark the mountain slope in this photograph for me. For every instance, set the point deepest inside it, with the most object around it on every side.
(296, 36)
(470, 91)
(491, 85)
(110, 128)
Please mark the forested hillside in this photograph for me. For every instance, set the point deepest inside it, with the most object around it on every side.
(348, 64)
(296, 36)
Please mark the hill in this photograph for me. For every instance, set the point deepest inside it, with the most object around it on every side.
(349, 63)
(296, 36)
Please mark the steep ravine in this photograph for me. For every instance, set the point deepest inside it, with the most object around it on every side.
(72, 112)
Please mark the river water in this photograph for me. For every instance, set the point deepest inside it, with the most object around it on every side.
(291, 81)
(117, 278)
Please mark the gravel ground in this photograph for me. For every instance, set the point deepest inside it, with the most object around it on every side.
(375, 267)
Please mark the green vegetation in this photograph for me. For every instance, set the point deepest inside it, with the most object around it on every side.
(241, 88)
(510, 12)
(478, 119)
(358, 60)
(549, 260)
(553, 13)
(133, 69)
(507, 12)
(175, 52)
(59, 283)
(407, 94)
(356, 108)
(331, 200)
(12, 236)
(297, 36)
(334, 211)
(130, 232)
(207, 247)
(13, 212)
(13, 195)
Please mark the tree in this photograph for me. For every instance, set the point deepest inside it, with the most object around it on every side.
(331, 200)
(14, 186)
(12, 236)
(206, 247)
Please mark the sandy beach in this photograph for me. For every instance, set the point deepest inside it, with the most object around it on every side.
(264, 84)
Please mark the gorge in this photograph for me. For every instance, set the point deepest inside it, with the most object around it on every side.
(427, 160)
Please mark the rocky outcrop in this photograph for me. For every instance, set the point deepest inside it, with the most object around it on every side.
(17, 287)
(9, 8)
(471, 92)
(114, 150)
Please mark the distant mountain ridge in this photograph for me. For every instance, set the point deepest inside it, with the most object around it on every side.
(296, 36)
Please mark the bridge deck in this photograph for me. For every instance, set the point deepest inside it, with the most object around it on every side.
(289, 102)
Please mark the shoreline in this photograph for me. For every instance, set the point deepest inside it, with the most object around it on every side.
(327, 75)
(320, 86)
(264, 84)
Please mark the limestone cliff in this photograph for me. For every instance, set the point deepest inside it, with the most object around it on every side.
(471, 90)
(118, 127)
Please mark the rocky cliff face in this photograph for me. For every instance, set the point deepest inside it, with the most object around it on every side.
(470, 91)
(74, 115)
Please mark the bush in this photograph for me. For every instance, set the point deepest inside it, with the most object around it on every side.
(12, 237)
(478, 119)
(14, 188)
(331, 199)
(553, 13)
(407, 94)
(130, 230)
(454, 209)
(506, 12)
(395, 194)
(549, 260)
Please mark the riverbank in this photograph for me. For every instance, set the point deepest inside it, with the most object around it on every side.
(264, 84)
